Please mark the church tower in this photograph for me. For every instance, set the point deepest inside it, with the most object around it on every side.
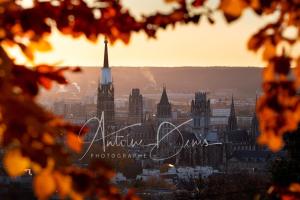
(164, 114)
(135, 109)
(105, 96)
(200, 109)
(164, 106)
(232, 120)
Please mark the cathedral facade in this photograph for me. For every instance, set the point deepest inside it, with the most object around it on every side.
(200, 153)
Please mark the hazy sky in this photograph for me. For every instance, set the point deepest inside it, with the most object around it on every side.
(186, 45)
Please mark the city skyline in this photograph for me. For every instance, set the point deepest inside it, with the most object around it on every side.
(150, 99)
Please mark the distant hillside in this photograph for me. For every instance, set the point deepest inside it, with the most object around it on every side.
(244, 80)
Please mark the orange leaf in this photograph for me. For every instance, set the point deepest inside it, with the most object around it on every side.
(76, 196)
(294, 187)
(269, 51)
(297, 72)
(74, 142)
(254, 43)
(36, 167)
(274, 142)
(288, 197)
(44, 184)
(48, 139)
(268, 73)
(45, 82)
(2, 130)
(41, 45)
(2, 33)
(64, 184)
(44, 68)
(15, 163)
(28, 53)
(233, 8)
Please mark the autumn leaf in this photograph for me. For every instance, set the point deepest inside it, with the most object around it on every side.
(41, 45)
(2, 130)
(297, 72)
(275, 143)
(282, 64)
(198, 3)
(295, 187)
(27, 51)
(2, 33)
(64, 184)
(210, 19)
(269, 50)
(74, 142)
(15, 163)
(288, 197)
(254, 43)
(3, 1)
(36, 168)
(76, 196)
(76, 69)
(44, 184)
(48, 139)
(268, 73)
(255, 4)
(45, 82)
(232, 8)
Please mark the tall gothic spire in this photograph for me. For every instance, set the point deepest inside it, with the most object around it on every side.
(164, 106)
(232, 109)
(164, 97)
(105, 63)
(106, 73)
(232, 120)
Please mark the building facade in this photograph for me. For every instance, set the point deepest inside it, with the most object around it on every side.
(135, 108)
(200, 109)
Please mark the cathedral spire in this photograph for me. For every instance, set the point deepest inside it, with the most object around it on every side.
(164, 106)
(232, 120)
(106, 73)
(232, 109)
(105, 62)
(164, 97)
